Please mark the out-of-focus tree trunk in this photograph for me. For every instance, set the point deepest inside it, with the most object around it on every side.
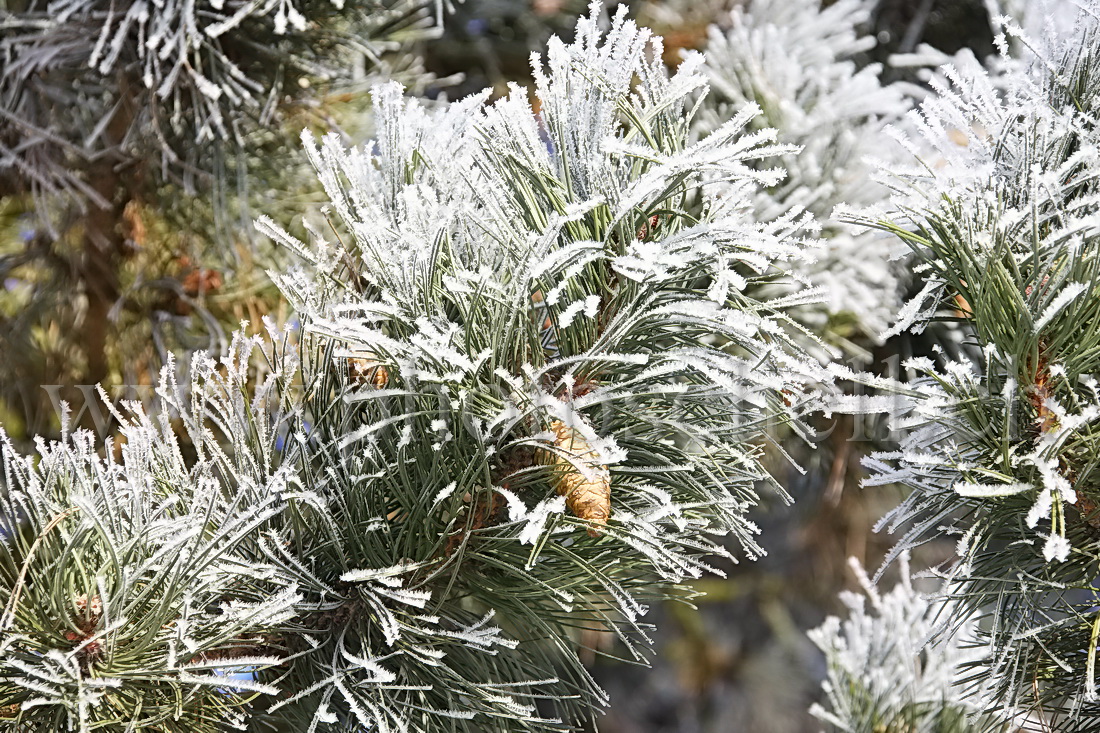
(104, 238)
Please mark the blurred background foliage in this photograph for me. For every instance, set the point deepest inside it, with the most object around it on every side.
(129, 177)
(186, 269)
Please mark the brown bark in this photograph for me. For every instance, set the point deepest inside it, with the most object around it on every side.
(103, 244)
(104, 237)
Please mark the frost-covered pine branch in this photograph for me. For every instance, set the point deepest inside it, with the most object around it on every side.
(901, 661)
(1001, 450)
(134, 593)
(541, 383)
(801, 63)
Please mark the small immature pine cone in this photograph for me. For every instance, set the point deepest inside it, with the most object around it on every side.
(367, 371)
(587, 496)
(95, 606)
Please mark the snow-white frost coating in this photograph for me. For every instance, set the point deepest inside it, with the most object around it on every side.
(901, 660)
(798, 61)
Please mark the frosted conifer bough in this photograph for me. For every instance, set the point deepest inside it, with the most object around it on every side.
(798, 60)
(1001, 450)
(134, 594)
(902, 661)
(558, 300)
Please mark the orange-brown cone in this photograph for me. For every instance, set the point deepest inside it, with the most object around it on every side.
(587, 496)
